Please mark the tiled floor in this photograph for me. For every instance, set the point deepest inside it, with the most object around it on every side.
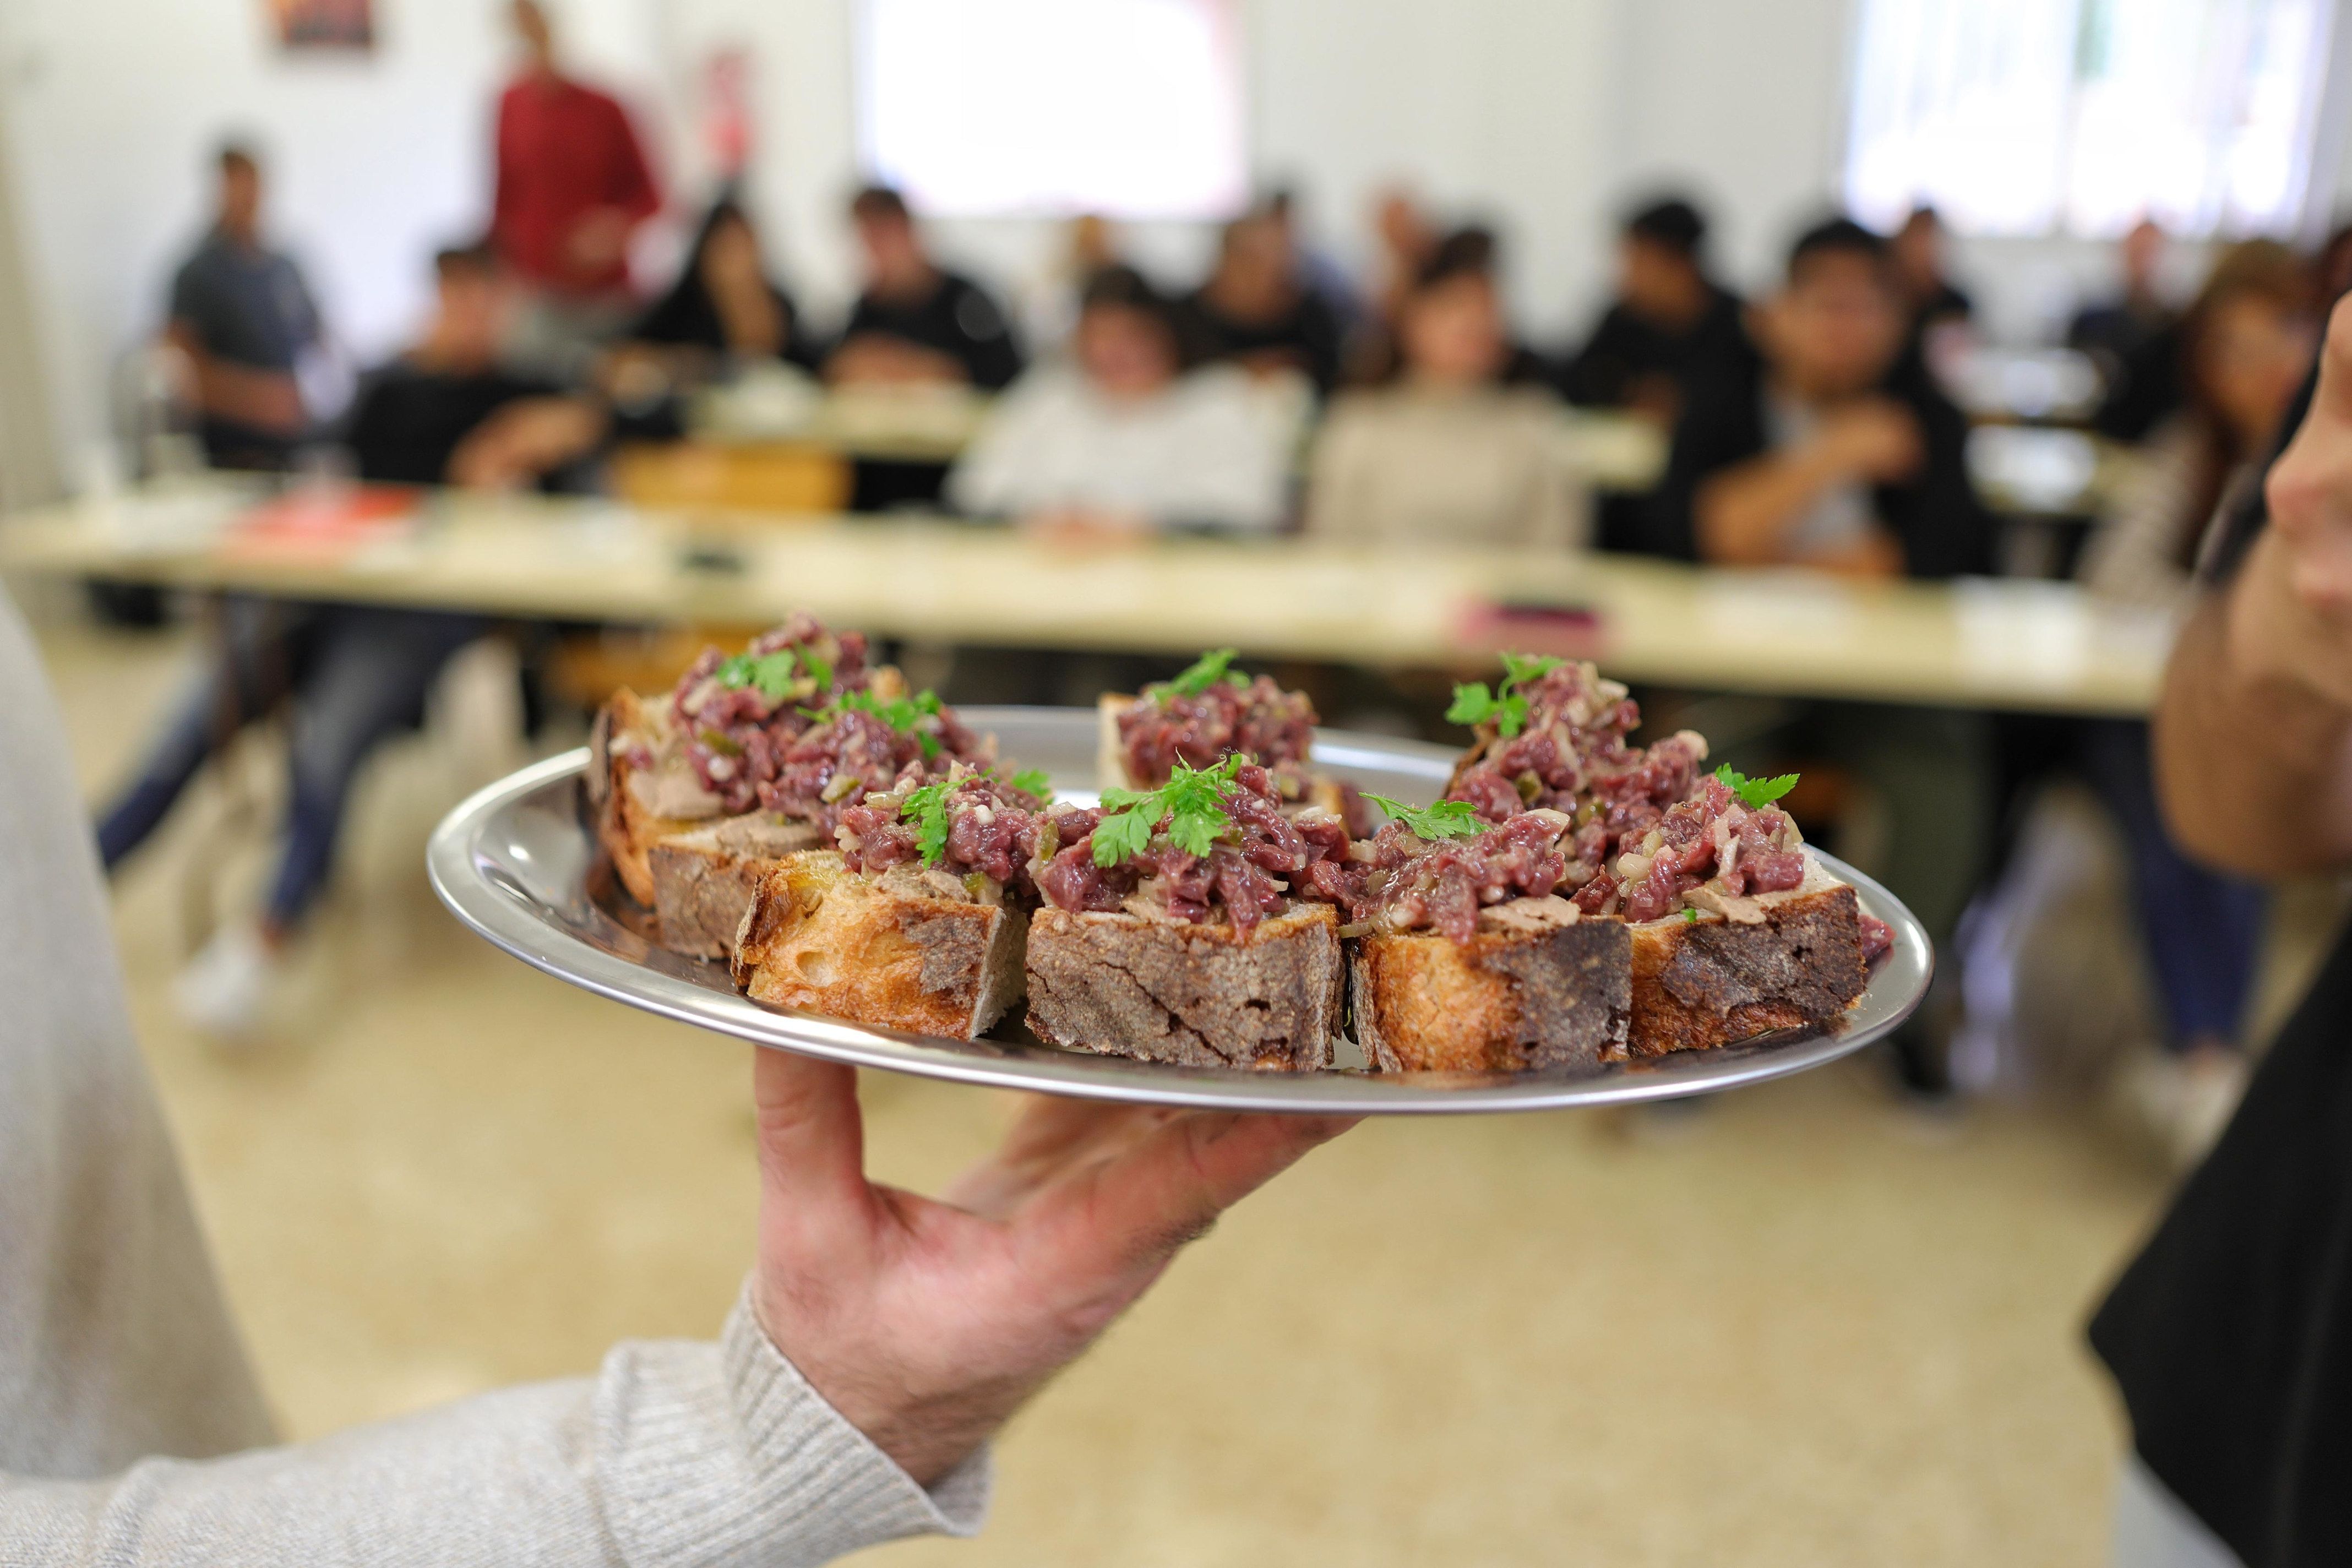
(1797, 1327)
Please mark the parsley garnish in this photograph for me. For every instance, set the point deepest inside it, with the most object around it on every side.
(1690, 917)
(772, 673)
(1206, 671)
(1191, 803)
(901, 714)
(1754, 794)
(927, 808)
(1446, 819)
(1034, 780)
(1474, 704)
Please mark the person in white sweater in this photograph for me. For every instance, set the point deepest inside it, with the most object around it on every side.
(880, 1338)
(1124, 437)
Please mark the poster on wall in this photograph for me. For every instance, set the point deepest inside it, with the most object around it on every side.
(323, 24)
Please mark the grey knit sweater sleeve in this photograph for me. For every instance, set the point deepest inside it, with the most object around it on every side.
(130, 1423)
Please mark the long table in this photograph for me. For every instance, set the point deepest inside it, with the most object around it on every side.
(2001, 644)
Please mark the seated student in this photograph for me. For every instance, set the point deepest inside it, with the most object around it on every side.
(1124, 436)
(445, 412)
(2135, 341)
(1917, 252)
(1837, 455)
(1256, 309)
(723, 310)
(1671, 326)
(1447, 454)
(1840, 456)
(2245, 345)
(916, 321)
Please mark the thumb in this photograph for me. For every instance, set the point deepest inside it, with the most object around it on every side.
(2332, 399)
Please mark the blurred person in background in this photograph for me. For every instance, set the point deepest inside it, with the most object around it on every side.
(1671, 326)
(2229, 1335)
(1323, 276)
(1256, 309)
(1124, 437)
(2245, 346)
(1050, 298)
(242, 318)
(1917, 252)
(1842, 458)
(1447, 454)
(2134, 339)
(1404, 237)
(915, 321)
(879, 1341)
(1838, 456)
(573, 187)
(446, 411)
(724, 311)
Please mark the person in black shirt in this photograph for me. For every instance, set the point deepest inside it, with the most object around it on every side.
(916, 321)
(1257, 310)
(2231, 1334)
(2134, 339)
(1918, 253)
(724, 307)
(1671, 327)
(444, 413)
(1839, 454)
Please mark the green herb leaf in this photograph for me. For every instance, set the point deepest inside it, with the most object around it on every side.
(818, 667)
(1525, 668)
(927, 808)
(1754, 794)
(901, 714)
(1034, 780)
(1206, 671)
(1192, 803)
(1473, 703)
(1504, 707)
(1690, 917)
(769, 673)
(1446, 819)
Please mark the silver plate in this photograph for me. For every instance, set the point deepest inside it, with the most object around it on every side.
(516, 863)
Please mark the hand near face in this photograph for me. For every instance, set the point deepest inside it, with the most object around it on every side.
(1873, 438)
(926, 1322)
(2292, 618)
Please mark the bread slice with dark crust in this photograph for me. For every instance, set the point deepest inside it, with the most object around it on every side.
(626, 825)
(1533, 987)
(703, 878)
(1197, 995)
(887, 951)
(1777, 961)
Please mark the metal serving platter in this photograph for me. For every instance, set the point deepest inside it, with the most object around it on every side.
(517, 864)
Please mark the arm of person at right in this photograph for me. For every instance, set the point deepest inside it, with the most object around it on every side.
(2253, 730)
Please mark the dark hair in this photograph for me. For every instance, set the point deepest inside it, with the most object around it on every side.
(1469, 251)
(880, 202)
(1119, 286)
(474, 255)
(2260, 269)
(236, 154)
(1671, 224)
(1836, 237)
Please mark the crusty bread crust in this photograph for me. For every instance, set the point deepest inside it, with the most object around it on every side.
(704, 878)
(1714, 981)
(1505, 1001)
(624, 827)
(1198, 995)
(815, 936)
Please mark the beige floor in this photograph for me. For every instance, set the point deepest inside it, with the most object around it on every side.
(1798, 1328)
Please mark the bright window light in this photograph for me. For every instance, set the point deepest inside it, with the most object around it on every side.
(2023, 116)
(1131, 109)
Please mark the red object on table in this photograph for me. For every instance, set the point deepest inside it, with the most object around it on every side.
(324, 520)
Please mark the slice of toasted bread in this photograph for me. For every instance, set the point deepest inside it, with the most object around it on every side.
(818, 936)
(1169, 991)
(1534, 986)
(1110, 754)
(1775, 961)
(703, 878)
(628, 800)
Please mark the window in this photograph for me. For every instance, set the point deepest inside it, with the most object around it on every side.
(2082, 116)
(1131, 109)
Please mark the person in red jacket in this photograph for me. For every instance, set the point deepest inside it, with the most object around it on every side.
(573, 187)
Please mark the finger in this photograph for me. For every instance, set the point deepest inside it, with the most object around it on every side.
(2333, 396)
(1171, 1186)
(812, 1138)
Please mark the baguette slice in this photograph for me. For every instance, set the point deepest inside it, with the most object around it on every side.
(703, 878)
(1198, 995)
(898, 951)
(629, 800)
(1773, 961)
(1535, 987)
